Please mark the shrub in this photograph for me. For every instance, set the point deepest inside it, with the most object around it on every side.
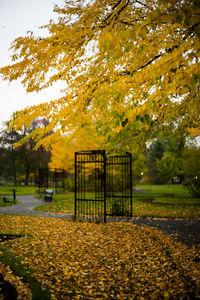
(193, 186)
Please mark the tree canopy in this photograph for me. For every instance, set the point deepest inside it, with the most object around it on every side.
(131, 67)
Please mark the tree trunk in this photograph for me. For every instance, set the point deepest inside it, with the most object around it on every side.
(14, 167)
(27, 172)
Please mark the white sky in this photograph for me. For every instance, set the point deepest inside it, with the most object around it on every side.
(16, 18)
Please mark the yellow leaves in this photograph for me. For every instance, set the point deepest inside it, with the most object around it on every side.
(166, 295)
(111, 55)
(23, 289)
(120, 261)
(194, 131)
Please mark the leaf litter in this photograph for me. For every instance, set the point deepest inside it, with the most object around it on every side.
(80, 260)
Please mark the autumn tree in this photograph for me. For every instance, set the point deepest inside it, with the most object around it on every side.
(130, 68)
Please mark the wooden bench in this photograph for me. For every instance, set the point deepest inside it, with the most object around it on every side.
(47, 195)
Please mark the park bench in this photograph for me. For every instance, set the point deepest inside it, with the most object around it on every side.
(47, 195)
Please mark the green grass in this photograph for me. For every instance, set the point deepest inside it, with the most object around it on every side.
(177, 189)
(177, 205)
(181, 206)
(38, 291)
(20, 190)
(2, 203)
(62, 203)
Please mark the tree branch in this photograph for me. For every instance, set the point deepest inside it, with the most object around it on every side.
(139, 2)
(141, 67)
(118, 12)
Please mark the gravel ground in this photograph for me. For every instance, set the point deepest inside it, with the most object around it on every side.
(185, 231)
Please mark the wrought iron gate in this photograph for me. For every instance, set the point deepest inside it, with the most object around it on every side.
(103, 186)
(90, 185)
(119, 185)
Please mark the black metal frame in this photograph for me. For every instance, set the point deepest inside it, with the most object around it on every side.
(51, 178)
(103, 185)
(119, 185)
(90, 185)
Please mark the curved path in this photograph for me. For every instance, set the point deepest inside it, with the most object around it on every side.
(25, 207)
(186, 231)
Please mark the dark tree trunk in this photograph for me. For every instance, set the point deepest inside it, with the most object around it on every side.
(27, 172)
(14, 167)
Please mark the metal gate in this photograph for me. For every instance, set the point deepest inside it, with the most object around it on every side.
(103, 185)
(119, 185)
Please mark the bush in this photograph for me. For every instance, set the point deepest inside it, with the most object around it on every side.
(118, 207)
(193, 186)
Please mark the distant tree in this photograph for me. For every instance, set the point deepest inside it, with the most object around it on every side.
(168, 166)
(154, 153)
(34, 158)
(6, 166)
(191, 161)
(24, 159)
(9, 155)
(139, 166)
(191, 169)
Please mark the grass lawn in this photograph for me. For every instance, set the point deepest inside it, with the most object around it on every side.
(20, 190)
(2, 203)
(163, 205)
(168, 201)
(177, 189)
(71, 260)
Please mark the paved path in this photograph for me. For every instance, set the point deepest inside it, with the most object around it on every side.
(186, 231)
(25, 207)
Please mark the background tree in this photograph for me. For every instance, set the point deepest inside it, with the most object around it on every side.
(9, 155)
(191, 161)
(191, 169)
(130, 68)
(22, 161)
(33, 158)
(155, 153)
(139, 167)
(168, 166)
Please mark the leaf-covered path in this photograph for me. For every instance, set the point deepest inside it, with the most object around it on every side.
(186, 231)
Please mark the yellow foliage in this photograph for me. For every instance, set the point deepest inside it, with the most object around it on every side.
(130, 67)
(22, 289)
(102, 261)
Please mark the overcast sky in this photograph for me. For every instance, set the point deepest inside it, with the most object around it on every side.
(16, 18)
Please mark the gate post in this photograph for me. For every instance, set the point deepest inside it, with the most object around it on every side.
(75, 204)
(104, 155)
(131, 214)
